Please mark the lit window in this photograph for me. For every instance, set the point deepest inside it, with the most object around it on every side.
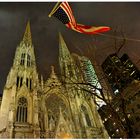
(105, 119)
(117, 109)
(128, 115)
(114, 123)
(123, 119)
(132, 73)
(117, 130)
(116, 91)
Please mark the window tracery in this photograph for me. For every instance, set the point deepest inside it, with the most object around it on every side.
(28, 60)
(21, 115)
(22, 59)
(86, 115)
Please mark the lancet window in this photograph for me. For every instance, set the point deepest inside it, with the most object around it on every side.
(28, 60)
(86, 115)
(22, 59)
(29, 83)
(21, 115)
(19, 81)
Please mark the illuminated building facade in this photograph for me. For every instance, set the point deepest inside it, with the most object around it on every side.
(34, 108)
(89, 72)
(89, 76)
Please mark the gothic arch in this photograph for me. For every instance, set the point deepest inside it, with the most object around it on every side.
(53, 103)
(23, 92)
(87, 114)
(22, 110)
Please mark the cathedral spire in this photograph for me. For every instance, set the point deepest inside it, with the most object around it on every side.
(63, 50)
(27, 38)
(53, 75)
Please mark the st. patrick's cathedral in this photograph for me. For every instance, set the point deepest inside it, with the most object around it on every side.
(34, 108)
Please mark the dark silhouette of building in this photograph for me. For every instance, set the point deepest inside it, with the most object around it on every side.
(127, 113)
(120, 71)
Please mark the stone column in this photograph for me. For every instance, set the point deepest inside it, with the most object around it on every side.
(35, 118)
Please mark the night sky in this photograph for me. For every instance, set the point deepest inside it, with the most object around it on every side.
(120, 16)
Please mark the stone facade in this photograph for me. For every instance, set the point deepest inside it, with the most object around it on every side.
(33, 108)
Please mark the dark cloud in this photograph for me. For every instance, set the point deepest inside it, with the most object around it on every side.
(14, 16)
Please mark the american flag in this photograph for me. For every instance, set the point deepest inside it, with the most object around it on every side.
(65, 15)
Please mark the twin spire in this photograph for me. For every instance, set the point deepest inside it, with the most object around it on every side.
(27, 38)
(63, 50)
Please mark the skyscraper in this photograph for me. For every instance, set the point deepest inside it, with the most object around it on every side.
(119, 71)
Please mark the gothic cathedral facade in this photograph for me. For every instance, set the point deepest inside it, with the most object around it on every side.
(33, 108)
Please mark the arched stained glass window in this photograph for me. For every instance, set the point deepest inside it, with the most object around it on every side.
(86, 115)
(21, 115)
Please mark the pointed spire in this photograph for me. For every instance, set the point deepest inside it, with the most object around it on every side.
(53, 75)
(63, 50)
(27, 38)
(61, 38)
(42, 82)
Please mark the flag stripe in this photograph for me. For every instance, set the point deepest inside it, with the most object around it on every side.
(88, 29)
(91, 30)
(70, 15)
(66, 5)
(74, 22)
(63, 7)
(65, 15)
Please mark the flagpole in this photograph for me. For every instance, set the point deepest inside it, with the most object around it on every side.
(54, 9)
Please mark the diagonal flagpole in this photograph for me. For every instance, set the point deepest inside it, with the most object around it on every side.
(54, 9)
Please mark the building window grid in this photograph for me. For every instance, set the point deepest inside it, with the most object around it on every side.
(123, 64)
